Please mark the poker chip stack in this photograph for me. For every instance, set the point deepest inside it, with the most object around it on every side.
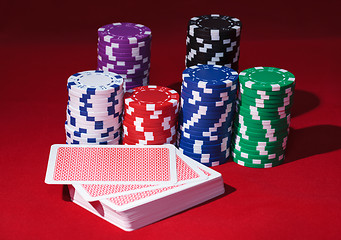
(213, 39)
(150, 115)
(261, 126)
(94, 110)
(124, 48)
(208, 98)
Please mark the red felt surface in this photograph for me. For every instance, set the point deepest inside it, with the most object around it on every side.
(43, 42)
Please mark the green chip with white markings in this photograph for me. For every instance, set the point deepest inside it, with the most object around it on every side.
(266, 78)
(255, 163)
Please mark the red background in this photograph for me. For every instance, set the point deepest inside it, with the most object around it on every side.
(43, 42)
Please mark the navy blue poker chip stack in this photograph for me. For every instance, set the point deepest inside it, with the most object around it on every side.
(208, 99)
(213, 39)
(94, 109)
(124, 48)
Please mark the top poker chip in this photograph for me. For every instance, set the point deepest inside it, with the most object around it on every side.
(151, 98)
(214, 24)
(95, 82)
(266, 78)
(129, 33)
(210, 76)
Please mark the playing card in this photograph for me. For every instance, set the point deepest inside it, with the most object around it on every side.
(187, 172)
(129, 201)
(111, 164)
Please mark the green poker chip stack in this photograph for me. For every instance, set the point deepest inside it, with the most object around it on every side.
(262, 120)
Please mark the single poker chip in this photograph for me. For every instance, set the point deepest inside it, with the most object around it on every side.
(210, 76)
(78, 134)
(204, 154)
(263, 111)
(92, 126)
(257, 116)
(204, 138)
(200, 134)
(267, 94)
(195, 122)
(95, 82)
(266, 100)
(256, 164)
(111, 142)
(204, 91)
(256, 129)
(263, 124)
(90, 139)
(207, 53)
(209, 93)
(122, 56)
(265, 104)
(125, 66)
(150, 139)
(181, 137)
(96, 99)
(257, 143)
(202, 158)
(128, 33)
(151, 114)
(260, 138)
(93, 97)
(215, 24)
(157, 128)
(248, 154)
(148, 136)
(271, 122)
(201, 41)
(265, 155)
(261, 134)
(258, 149)
(266, 78)
(222, 128)
(99, 115)
(214, 55)
(108, 48)
(221, 117)
(201, 102)
(125, 63)
(151, 98)
(221, 146)
(89, 109)
(80, 131)
(125, 45)
(111, 58)
(195, 95)
(86, 119)
(205, 123)
(132, 141)
(156, 123)
(135, 71)
(107, 51)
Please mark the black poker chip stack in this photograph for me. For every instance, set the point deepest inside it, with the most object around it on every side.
(213, 40)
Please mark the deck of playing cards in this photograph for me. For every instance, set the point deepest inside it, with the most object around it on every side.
(132, 186)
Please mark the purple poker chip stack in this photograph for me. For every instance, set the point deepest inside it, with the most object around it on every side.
(124, 48)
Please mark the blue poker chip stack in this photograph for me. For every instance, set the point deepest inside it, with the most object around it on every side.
(94, 109)
(208, 96)
(124, 48)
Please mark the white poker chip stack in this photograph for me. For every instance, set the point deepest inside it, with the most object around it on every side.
(94, 109)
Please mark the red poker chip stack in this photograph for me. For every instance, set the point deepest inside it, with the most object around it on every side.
(150, 116)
